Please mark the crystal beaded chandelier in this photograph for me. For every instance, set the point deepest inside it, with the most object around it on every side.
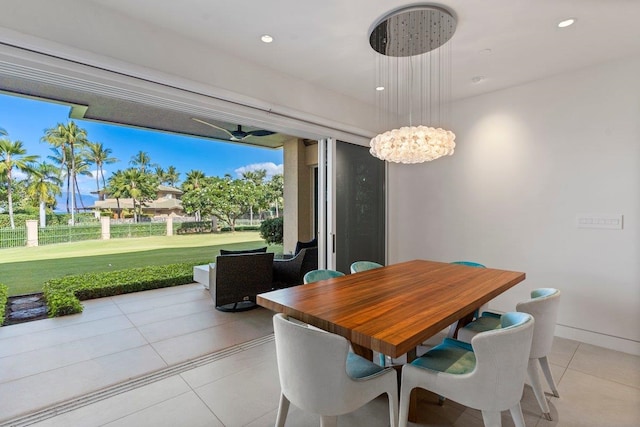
(413, 82)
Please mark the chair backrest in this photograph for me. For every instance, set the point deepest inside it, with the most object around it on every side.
(241, 277)
(303, 245)
(311, 365)
(502, 356)
(243, 251)
(469, 264)
(309, 262)
(317, 275)
(543, 306)
(363, 266)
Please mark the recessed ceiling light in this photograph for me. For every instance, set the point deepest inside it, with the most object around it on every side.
(478, 79)
(266, 38)
(379, 88)
(485, 52)
(566, 23)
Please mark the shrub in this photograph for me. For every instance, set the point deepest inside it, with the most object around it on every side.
(271, 230)
(195, 227)
(4, 295)
(63, 295)
(241, 228)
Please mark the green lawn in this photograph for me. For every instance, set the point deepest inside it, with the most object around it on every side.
(24, 270)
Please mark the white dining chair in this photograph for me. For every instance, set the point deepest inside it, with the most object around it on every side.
(543, 306)
(487, 374)
(318, 374)
(359, 266)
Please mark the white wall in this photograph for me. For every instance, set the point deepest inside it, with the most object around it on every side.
(528, 159)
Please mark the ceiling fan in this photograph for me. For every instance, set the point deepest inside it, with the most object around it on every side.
(238, 134)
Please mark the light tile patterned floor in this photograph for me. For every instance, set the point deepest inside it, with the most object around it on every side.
(140, 335)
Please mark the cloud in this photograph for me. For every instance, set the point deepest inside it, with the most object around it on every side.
(270, 167)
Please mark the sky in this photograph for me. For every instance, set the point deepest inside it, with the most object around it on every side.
(26, 120)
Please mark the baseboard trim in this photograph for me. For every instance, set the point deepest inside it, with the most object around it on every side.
(601, 340)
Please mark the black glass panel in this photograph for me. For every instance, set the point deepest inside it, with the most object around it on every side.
(360, 206)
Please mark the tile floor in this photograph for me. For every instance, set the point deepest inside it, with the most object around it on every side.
(168, 358)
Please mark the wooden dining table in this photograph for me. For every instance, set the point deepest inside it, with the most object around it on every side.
(395, 308)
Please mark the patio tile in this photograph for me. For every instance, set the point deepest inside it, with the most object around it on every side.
(88, 315)
(182, 325)
(121, 405)
(230, 365)
(56, 336)
(53, 357)
(171, 312)
(245, 396)
(54, 386)
(193, 413)
(249, 326)
(163, 300)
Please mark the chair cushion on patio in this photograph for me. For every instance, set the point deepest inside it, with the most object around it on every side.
(359, 367)
(451, 356)
(243, 251)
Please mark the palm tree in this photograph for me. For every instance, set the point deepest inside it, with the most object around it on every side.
(115, 188)
(13, 156)
(139, 186)
(194, 180)
(67, 136)
(82, 167)
(160, 174)
(171, 176)
(99, 155)
(141, 160)
(44, 185)
(59, 158)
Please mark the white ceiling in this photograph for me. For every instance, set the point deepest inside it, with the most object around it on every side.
(326, 42)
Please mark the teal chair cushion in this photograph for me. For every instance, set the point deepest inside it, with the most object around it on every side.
(469, 264)
(359, 367)
(487, 322)
(451, 356)
(317, 275)
(359, 266)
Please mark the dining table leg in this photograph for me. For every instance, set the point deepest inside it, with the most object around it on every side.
(367, 353)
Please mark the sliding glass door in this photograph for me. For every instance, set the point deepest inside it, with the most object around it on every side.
(355, 208)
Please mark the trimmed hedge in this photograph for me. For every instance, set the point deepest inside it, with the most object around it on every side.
(242, 228)
(63, 295)
(4, 295)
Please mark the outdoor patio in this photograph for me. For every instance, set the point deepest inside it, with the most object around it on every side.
(166, 357)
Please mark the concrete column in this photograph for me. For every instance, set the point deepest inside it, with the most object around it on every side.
(297, 195)
(169, 226)
(32, 233)
(105, 223)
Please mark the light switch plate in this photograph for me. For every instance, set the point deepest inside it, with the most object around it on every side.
(607, 221)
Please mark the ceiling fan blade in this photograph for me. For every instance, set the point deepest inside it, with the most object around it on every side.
(215, 127)
(260, 132)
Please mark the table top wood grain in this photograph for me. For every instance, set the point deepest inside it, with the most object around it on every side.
(394, 308)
